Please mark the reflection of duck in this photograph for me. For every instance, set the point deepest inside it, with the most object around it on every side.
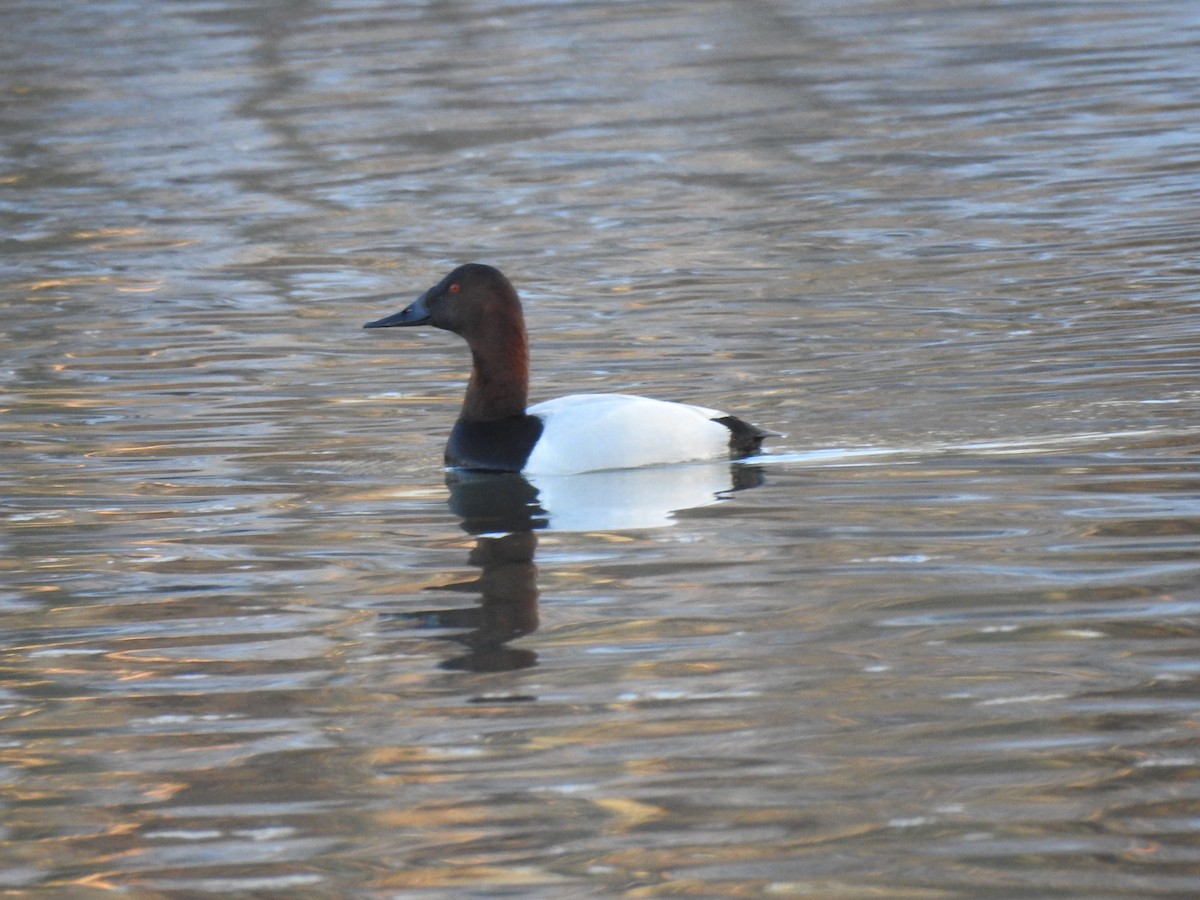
(508, 606)
(577, 433)
(613, 500)
(505, 510)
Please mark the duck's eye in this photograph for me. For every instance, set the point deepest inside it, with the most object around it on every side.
(454, 288)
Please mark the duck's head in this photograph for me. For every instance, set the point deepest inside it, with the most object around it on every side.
(470, 301)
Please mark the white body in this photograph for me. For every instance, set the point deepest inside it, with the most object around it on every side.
(593, 432)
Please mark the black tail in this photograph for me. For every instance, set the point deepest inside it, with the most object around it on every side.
(744, 439)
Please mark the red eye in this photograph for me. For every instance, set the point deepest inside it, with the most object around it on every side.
(454, 288)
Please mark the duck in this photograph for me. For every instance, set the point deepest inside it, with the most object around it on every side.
(497, 431)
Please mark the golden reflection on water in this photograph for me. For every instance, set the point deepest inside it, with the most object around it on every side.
(939, 642)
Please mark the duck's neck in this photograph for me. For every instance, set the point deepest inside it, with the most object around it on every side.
(499, 385)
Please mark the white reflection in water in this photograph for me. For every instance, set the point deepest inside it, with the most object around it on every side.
(615, 500)
(630, 499)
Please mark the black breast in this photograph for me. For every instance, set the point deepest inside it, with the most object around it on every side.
(499, 445)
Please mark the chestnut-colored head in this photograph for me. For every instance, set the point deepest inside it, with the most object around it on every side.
(480, 304)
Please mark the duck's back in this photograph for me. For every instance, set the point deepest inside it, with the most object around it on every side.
(592, 432)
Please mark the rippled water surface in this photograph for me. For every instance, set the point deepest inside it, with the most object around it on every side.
(940, 642)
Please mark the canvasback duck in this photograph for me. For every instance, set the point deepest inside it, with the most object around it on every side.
(495, 430)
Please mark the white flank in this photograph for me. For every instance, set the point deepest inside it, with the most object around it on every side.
(593, 432)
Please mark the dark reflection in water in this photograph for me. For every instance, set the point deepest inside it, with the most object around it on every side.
(507, 607)
(491, 502)
(488, 504)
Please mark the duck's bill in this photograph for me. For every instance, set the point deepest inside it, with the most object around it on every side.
(416, 313)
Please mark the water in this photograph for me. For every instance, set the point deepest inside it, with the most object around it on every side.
(940, 641)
